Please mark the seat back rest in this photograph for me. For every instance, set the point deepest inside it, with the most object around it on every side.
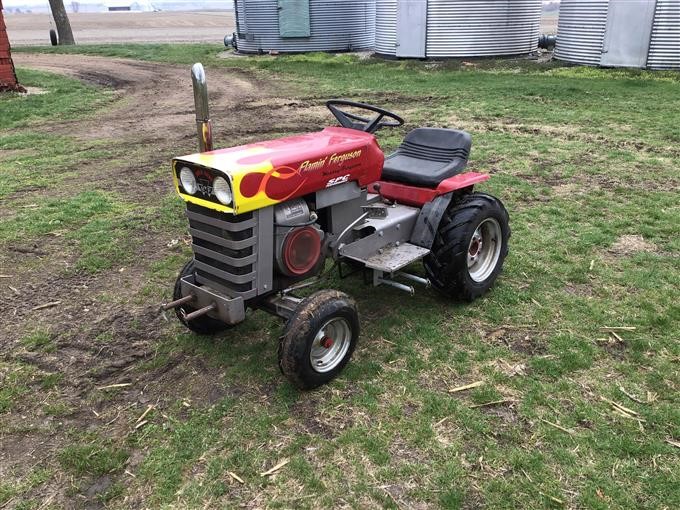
(436, 144)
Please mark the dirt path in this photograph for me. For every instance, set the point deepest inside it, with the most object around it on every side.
(157, 98)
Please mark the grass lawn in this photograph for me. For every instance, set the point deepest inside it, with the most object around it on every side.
(569, 414)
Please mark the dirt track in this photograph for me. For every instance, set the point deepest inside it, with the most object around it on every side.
(158, 101)
(119, 27)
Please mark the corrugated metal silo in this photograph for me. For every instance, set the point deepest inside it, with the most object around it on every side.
(294, 26)
(456, 28)
(664, 48)
(620, 33)
(386, 26)
(580, 31)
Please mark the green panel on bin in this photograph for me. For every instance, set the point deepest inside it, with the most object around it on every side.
(294, 18)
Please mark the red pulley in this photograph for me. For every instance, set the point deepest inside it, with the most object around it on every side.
(301, 250)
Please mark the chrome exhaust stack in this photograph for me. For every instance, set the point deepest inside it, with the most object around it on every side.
(203, 123)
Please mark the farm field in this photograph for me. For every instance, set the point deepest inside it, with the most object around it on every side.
(105, 404)
(124, 27)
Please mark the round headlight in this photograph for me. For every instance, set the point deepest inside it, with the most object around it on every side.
(188, 180)
(222, 190)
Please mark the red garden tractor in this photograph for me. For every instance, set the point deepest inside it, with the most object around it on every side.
(265, 217)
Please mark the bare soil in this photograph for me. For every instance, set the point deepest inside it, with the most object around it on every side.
(124, 27)
(631, 244)
(103, 332)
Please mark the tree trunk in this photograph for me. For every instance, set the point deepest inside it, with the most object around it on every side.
(62, 22)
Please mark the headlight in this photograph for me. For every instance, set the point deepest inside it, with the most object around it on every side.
(222, 190)
(188, 180)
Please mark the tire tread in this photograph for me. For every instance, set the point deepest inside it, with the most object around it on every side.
(446, 265)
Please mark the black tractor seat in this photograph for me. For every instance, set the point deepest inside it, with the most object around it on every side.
(427, 156)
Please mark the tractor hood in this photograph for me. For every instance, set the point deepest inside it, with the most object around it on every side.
(267, 173)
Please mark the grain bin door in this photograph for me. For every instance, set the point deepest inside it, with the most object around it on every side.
(294, 18)
(411, 28)
(628, 33)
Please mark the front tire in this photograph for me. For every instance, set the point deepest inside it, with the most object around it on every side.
(202, 325)
(319, 339)
(470, 247)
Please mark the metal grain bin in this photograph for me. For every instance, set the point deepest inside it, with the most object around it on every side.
(664, 48)
(386, 26)
(620, 33)
(296, 26)
(456, 28)
(580, 31)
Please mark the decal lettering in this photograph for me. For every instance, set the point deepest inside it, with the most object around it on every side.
(333, 159)
(310, 166)
(341, 158)
(337, 180)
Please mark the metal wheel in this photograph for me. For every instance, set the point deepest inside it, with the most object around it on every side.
(319, 339)
(484, 250)
(330, 345)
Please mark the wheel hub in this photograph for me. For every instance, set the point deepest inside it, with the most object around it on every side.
(330, 345)
(484, 250)
(475, 246)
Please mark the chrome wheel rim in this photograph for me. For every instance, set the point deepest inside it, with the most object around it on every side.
(330, 345)
(484, 250)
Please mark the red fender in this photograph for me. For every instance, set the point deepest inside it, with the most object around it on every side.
(416, 196)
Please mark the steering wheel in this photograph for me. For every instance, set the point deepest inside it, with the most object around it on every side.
(352, 121)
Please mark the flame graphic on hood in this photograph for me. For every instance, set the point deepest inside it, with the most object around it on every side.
(277, 183)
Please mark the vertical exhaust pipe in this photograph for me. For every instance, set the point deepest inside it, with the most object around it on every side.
(203, 123)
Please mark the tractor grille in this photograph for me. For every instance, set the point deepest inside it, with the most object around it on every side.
(225, 250)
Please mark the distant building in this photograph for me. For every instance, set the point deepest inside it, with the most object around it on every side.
(8, 77)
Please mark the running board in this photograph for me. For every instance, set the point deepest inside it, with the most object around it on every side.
(394, 257)
(388, 262)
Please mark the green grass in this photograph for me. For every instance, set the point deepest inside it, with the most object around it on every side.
(35, 478)
(60, 99)
(99, 223)
(38, 340)
(581, 158)
(16, 378)
(95, 459)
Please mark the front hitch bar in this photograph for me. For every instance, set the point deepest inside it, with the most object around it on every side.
(188, 299)
(198, 313)
(178, 302)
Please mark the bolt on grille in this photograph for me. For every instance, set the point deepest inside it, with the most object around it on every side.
(225, 250)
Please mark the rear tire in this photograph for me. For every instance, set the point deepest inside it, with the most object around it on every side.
(319, 339)
(202, 325)
(54, 41)
(470, 247)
